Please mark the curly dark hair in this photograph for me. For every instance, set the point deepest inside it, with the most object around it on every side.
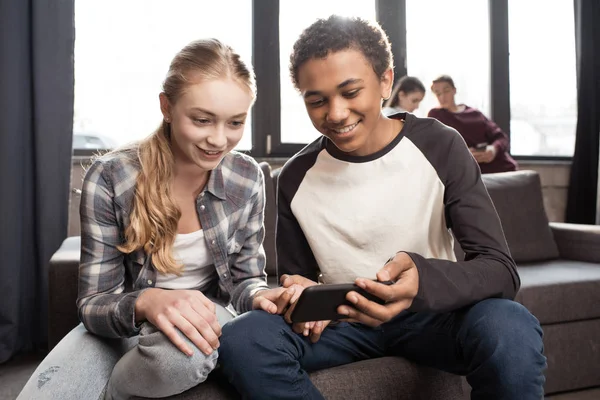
(338, 33)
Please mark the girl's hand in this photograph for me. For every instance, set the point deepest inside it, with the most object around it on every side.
(276, 301)
(187, 310)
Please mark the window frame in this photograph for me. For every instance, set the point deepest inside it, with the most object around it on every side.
(391, 14)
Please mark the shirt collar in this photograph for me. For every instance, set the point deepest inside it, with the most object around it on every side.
(216, 184)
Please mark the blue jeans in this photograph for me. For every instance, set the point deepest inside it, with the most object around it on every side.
(86, 366)
(496, 343)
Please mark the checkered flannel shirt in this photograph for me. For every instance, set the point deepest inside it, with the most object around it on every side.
(231, 211)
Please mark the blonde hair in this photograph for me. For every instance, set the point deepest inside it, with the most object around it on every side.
(155, 215)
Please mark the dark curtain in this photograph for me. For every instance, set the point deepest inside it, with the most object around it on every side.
(36, 119)
(583, 183)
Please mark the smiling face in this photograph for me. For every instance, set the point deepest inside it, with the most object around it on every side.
(207, 121)
(410, 101)
(343, 97)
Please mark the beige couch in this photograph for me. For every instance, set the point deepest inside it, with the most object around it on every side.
(560, 274)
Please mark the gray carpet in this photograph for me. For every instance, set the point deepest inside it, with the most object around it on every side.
(15, 373)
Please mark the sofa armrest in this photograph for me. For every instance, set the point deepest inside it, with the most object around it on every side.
(577, 242)
(63, 275)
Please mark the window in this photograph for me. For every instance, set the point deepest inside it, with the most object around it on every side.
(452, 38)
(122, 54)
(296, 126)
(543, 88)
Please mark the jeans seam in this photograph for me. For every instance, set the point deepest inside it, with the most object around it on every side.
(280, 346)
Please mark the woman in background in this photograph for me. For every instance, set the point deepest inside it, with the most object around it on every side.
(487, 142)
(406, 96)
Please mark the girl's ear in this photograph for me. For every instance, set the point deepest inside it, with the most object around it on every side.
(165, 107)
(386, 83)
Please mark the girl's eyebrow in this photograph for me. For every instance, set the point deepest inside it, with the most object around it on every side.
(214, 115)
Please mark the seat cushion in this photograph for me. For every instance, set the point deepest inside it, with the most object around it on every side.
(573, 353)
(388, 378)
(382, 378)
(62, 287)
(560, 290)
(517, 197)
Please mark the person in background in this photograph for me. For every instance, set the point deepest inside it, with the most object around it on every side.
(406, 96)
(171, 243)
(487, 142)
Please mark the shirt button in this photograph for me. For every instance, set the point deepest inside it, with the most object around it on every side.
(202, 207)
(213, 242)
(149, 281)
(202, 194)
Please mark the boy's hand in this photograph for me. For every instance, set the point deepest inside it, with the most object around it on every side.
(314, 329)
(399, 296)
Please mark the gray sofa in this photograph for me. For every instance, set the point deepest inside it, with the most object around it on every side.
(560, 273)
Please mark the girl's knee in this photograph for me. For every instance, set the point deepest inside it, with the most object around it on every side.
(156, 368)
(170, 365)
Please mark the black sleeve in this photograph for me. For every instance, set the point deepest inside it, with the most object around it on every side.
(294, 255)
(488, 269)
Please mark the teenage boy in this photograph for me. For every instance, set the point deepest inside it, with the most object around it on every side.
(373, 187)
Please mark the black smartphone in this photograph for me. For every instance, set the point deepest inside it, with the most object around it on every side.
(320, 302)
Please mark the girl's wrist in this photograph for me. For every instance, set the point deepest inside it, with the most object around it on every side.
(140, 305)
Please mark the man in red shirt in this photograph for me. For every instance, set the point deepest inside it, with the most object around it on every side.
(487, 142)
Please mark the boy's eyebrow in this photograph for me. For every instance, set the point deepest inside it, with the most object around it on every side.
(214, 115)
(340, 86)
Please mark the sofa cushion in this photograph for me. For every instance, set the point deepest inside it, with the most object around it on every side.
(388, 378)
(573, 353)
(517, 197)
(62, 285)
(382, 378)
(560, 290)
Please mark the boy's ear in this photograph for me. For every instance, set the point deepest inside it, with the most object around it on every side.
(386, 83)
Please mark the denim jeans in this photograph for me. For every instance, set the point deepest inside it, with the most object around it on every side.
(496, 343)
(147, 365)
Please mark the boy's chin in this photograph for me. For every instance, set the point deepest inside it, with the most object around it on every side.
(348, 147)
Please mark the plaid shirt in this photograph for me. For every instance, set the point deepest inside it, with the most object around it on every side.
(230, 209)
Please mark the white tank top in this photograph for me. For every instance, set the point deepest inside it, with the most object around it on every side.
(190, 250)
